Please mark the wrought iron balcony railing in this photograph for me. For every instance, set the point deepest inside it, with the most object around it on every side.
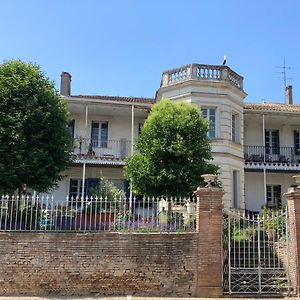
(101, 149)
(261, 154)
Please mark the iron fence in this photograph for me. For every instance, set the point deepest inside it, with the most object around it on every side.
(44, 213)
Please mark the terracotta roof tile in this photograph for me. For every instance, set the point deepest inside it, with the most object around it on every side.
(280, 107)
(117, 98)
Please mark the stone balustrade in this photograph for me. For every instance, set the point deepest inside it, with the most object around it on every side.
(201, 72)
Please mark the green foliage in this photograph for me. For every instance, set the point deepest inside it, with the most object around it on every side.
(110, 197)
(172, 151)
(107, 190)
(34, 143)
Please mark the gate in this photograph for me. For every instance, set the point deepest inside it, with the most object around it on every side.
(255, 256)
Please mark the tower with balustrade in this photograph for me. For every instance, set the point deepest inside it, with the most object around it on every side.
(218, 91)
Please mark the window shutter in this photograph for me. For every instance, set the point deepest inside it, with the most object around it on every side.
(296, 141)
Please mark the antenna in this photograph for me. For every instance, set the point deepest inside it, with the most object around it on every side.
(283, 72)
(284, 69)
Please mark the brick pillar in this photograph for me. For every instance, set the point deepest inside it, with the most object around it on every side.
(293, 202)
(209, 227)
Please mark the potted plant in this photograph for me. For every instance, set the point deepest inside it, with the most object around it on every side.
(269, 223)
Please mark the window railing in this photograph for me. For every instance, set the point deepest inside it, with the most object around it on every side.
(262, 154)
(101, 149)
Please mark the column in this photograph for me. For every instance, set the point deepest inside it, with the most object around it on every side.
(209, 227)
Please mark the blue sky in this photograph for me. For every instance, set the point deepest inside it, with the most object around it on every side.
(121, 47)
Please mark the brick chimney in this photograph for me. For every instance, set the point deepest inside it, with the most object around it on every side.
(289, 94)
(65, 84)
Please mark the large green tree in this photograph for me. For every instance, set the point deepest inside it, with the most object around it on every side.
(34, 143)
(172, 151)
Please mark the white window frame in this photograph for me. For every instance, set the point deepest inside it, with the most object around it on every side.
(99, 142)
(274, 202)
(235, 136)
(236, 202)
(208, 117)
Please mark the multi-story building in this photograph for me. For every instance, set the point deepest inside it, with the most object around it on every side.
(255, 145)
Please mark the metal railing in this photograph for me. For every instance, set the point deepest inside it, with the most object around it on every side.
(27, 213)
(104, 149)
(262, 154)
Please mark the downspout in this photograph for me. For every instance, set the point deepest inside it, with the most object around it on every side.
(131, 150)
(264, 156)
(84, 164)
(83, 184)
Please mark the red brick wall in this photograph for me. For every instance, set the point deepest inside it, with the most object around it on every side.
(293, 201)
(103, 263)
(209, 223)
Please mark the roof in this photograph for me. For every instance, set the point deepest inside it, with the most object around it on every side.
(117, 98)
(276, 107)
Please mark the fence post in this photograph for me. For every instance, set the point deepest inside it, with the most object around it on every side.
(209, 228)
(293, 203)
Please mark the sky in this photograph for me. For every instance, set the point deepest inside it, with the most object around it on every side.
(121, 47)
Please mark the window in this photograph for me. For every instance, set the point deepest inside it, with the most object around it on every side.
(210, 115)
(234, 128)
(140, 127)
(235, 185)
(76, 187)
(122, 185)
(274, 196)
(99, 134)
(272, 141)
(71, 127)
(296, 142)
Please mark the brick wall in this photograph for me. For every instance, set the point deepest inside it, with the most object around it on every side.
(293, 201)
(103, 263)
(209, 226)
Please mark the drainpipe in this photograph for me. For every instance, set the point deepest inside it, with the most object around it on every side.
(131, 150)
(86, 116)
(264, 155)
(83, 184)
(83, 170)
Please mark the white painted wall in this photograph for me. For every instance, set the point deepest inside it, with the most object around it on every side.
(226, 100)
(254, 187)
(75, 172)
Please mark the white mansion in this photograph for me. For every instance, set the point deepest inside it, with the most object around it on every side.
(256, 146)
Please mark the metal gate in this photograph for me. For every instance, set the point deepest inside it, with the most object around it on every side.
(255, 256)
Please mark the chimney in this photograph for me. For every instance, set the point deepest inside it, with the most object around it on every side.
(289, 94)
(65, 84)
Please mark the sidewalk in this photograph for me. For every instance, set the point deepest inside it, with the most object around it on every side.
(133, 298)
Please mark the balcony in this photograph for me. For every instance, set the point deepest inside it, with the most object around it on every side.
(101, 151)
(272, 157)
(201, 72)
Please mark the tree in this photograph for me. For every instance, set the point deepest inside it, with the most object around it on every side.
(35, 146)
(109, 197)
(172, 151)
